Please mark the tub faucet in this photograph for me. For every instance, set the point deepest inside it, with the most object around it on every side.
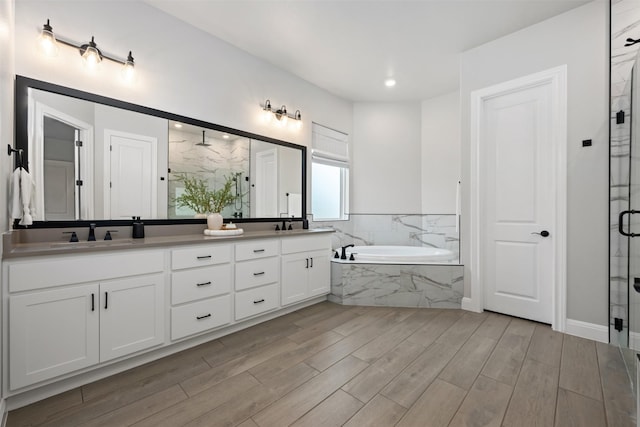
(344, 251)
(92, 232)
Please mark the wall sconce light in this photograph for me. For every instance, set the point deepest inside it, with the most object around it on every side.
(89, 51)
(281, 115)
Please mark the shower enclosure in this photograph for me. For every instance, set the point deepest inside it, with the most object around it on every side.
(624, 176)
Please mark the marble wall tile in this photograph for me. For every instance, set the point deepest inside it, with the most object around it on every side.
(438, 231)
(212, 163)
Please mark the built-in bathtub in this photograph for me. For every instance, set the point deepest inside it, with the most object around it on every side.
(401, 254)
(397, 276)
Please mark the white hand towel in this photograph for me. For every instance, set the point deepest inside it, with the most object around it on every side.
(15, 210)
(26, 191)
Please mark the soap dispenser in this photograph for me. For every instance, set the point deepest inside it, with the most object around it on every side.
(138, 228)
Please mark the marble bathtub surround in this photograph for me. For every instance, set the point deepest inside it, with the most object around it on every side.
(437, 231)
(435, 286)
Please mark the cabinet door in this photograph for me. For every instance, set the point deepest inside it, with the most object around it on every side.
(131, 315)
(319, 273)
(295, 269)
(52, 333)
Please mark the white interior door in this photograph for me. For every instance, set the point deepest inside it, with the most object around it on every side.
(131, 188)
(266, 186)
(517, 199)
(59, 194)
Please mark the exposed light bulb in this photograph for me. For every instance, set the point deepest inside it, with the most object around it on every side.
(47, 40)
(91, 54)
(282, 117)
(266, 111)
(128, 69)
(297, 124)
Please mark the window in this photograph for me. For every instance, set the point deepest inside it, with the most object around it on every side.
(329, 174)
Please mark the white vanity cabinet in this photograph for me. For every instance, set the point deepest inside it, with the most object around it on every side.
(305, 268)
(73, 312)
(200, 289)
(52, 333)
(257, 277)
(66, 316)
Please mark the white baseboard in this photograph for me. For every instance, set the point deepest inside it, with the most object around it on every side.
(3, 412)
(586, 330)
(470, 305)
(634, 341)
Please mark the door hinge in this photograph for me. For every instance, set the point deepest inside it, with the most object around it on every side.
(110, 184)
(78, 143)
(79, 182)
(111, 148)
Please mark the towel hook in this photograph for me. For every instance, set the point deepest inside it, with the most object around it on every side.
(11, 150)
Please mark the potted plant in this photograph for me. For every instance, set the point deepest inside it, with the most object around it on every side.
(205, 202)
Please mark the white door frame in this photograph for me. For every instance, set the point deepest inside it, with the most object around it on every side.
(557, 78)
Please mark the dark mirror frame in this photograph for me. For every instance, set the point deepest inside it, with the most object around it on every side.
(22, 86)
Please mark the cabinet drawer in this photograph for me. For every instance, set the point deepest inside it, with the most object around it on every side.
(200, 256)
(256, 301)
(250, 274)
(199, 283)
(200, 316)
(256, 249)
(306, 243)
(68, 270)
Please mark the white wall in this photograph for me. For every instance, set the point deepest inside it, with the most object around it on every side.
(440, 153)
(180, 69)
(386, 158)
(6, 104)
(578, 38)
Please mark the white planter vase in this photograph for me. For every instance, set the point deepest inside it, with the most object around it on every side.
(214, 221)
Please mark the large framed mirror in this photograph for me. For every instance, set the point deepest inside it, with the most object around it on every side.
(94, 158)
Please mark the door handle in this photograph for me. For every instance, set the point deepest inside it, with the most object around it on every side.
(621, 224)
(543, 233)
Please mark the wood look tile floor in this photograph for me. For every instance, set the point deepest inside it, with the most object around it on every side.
(332, 365)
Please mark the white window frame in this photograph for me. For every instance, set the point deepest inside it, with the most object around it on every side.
(333, 152)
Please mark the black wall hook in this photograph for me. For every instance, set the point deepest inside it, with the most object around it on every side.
(11, 150)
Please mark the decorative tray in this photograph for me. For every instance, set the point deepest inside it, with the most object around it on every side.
(230, 232)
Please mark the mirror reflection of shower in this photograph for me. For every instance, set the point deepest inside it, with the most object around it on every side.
(239, 200)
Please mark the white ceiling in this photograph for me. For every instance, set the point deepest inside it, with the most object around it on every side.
(349, 47)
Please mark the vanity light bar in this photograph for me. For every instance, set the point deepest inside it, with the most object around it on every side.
(281, 113)
(89, 51)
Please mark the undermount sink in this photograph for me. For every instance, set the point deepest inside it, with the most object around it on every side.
(95, 244)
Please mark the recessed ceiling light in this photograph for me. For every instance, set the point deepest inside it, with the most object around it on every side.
(225, 136)
(390, 82)
(177, 125)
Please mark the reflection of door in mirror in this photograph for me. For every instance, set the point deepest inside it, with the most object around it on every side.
(60, 197)
(266, 187)
(276, 188)
(60, 156)
(130, 175)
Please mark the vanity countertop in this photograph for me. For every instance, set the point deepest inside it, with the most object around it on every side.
(12, 250)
